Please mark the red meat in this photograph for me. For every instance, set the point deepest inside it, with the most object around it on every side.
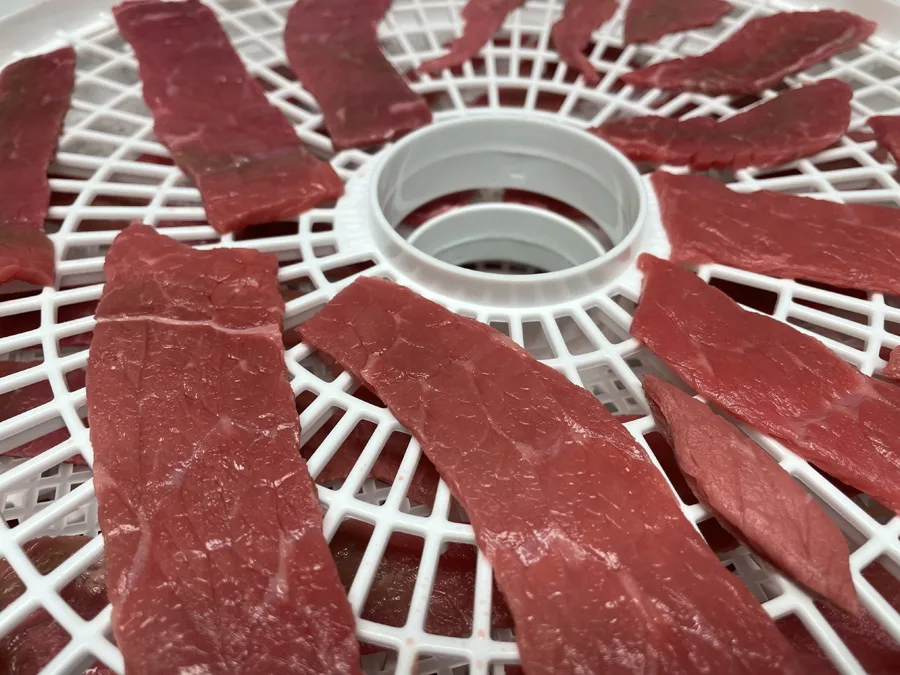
(33, 643)
(572, 33)
(564, 504)
(892, 369)
(760, 55)
(215, 556)
(650, 20)
(774, 378)
(849, 246)
(746, 489)
(27, 321)
(887, 133)
(22, 400)
(334, 51)
(483, 18)
(34, 98)
(241, 151)
(875, 649)
(798, 123)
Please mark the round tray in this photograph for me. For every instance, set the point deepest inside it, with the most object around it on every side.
(111, 170)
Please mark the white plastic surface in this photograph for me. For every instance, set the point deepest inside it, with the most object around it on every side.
(110, 170)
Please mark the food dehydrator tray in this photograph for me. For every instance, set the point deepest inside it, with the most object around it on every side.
(110, 170)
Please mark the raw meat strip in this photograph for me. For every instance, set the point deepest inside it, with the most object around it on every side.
(746, 489)
(760, 55)
(798, 123)
(849, 246)
(215, 556)
(650, 20)
(334, 51)
(22, 400)
(34, 642)
(877, 652)
(887, 133)
(774, 378)
(483, 18)
(240, 150)
(892, 369)
(572, 33)
(34, 98)
(562, 500)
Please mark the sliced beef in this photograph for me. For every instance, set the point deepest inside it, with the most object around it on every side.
(746, 489)
(333, 49)
(34, 98)
(564, 503)
(774, 378)
(760, 55)
(34, 642)
(650, 20)
(22, 400)
(572, 33)
(215, 555)
(887, 133)
(241, 151)
(483, 18)
(798, 123)
(845, 245)
(892, 369)
(875, 649)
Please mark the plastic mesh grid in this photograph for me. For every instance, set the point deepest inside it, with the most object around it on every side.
(111, 170)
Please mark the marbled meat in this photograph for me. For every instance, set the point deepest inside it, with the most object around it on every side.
(33, 643)
(240, 150)
(572, 33)
(650, 20)
(774, 378)
(887, 133)
(558, 493)
(787, 236)
(23, 399)
(215, 556)
(798, 123)
(760, 55)
(334, 51)
(746, 489)
(34, 98)
(483, 18)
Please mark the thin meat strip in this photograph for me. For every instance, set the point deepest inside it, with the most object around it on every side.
(240, 151)
(798, 123)
(887, 133)
(787, 236)
(334, 52)
(483, 18)
(34, 98)
(215, 557)
(650, 20)
(572, 33)
(774, 378)
(746, 489)
(601, 571)
(760, 55)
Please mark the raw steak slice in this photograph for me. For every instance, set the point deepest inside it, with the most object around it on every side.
(876, 650)
(22, 400)
(215, 556)
(892, 369)
(746, 489)
(34, 642)
(334, 51)
(787, 236)
(760, 55)
(241, 151)
(34, 98)
(887, 133)
(561, 498)
(483, 18)
(650, 20)
(798, 123)
(572, 33)
(774, 378)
